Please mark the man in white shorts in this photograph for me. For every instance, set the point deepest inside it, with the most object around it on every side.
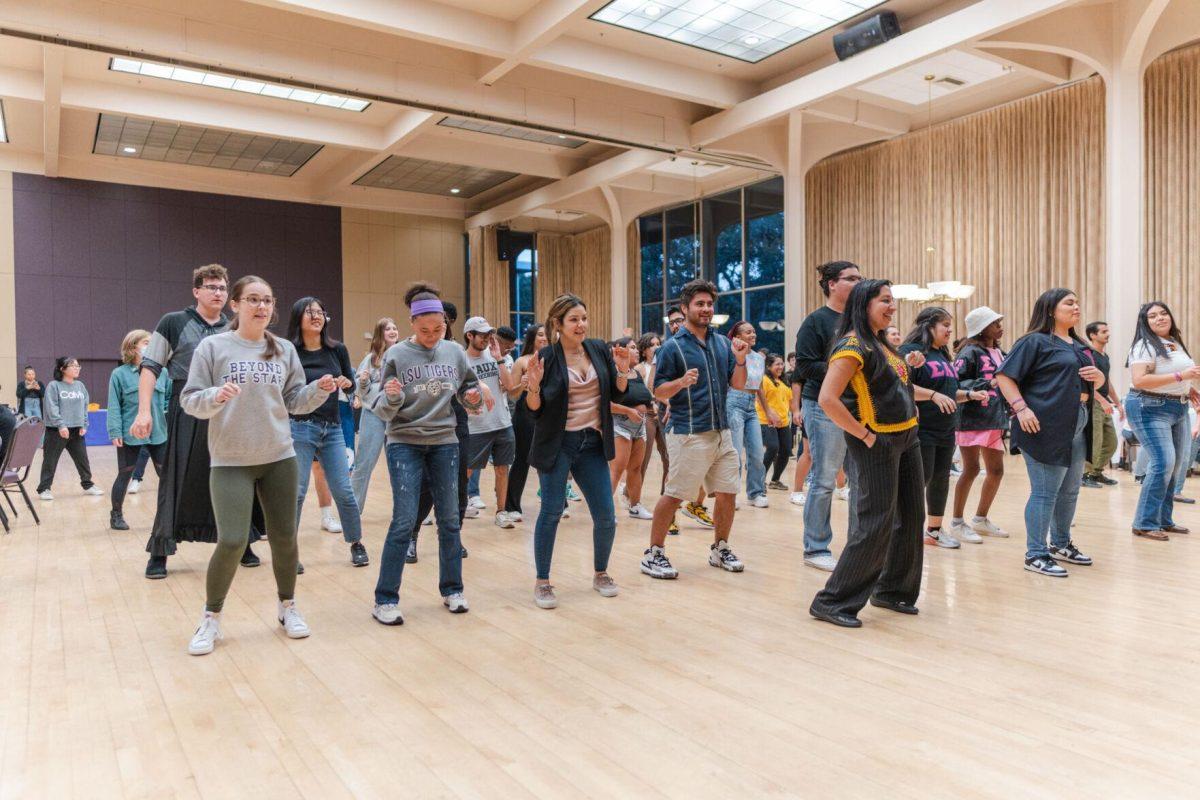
(693, 372)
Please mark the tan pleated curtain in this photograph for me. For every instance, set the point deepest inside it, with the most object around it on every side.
(489, 278)
(1172, 234)
(1017, 206)
(580, 264)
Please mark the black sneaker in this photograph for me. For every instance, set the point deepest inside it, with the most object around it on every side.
(249, 559)
(358, 555)
(156, 568)
(777, 485)
(1070, 554)
(1045, 565)
(117, 522)
(1139, 478)
(463, 553)
(299, 567)
(1091, 483)
(411, 556)
(1107, 481)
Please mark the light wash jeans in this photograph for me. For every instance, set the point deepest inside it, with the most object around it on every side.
(324, 442)
(1053, 492)
(747, 440)
(828, 443)
(473, 483)
(1163, 429)
(1193, 449)
(372, 436)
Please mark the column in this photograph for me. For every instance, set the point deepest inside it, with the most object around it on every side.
(619, 302)
(8, 295)
(795, 269)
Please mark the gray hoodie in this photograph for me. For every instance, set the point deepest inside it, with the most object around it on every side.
(429, 377)
(367, 390)
(253, 427)
(66, 405)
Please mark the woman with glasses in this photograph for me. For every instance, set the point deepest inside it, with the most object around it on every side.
(318, 433)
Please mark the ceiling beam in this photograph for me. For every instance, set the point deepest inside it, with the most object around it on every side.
(1050, 67)
(537, 27)
(52, 84)
(861, 113)
(972, 22)
(402, 130)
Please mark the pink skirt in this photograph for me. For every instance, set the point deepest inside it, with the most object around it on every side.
(993, 439)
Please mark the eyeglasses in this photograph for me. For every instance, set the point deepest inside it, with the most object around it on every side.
(215, 288)
(317, 315)
(258, 302)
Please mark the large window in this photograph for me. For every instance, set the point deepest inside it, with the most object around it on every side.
(739, 247)
(522, 284)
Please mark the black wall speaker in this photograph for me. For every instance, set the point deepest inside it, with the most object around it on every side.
(866, 34)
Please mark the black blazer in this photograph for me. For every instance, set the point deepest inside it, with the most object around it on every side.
(550, 418)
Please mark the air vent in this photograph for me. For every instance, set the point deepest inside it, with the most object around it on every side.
(949, 82)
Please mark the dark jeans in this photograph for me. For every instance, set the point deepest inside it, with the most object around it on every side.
(128, 459)
(777, 444)
(411, 466)
(52, 448)
(936, 460)
(518, 473)
(883, 552)
(425, 503)
(582, 455)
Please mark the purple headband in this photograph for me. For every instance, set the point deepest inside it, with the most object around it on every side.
(420, 307)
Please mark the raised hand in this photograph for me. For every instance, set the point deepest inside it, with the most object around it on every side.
(393, 388)
(621, 357)
(740, 349)
(326, 383)
(690, 378)
(494, 348)
(915, 359)
(229, 391)
(534, 372)
(343, 382)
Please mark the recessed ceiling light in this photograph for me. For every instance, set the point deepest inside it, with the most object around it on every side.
(217, 80)
(562, 136)
(751, 40)
(128, 149)
(455, 191)
(652, 10)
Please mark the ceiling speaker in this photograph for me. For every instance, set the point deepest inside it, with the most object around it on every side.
(866, 34)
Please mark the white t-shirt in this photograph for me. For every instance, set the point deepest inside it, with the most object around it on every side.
(1177, 360)
(488, 372)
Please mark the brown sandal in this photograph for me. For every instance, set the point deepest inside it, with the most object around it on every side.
(1156, 535)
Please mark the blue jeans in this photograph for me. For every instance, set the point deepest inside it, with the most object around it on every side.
(828, 444)
(323, 441)
(1053, 490)
(1193, 449)
(411, 467)
(1163, 429)
(582, 455)
(747, 440)
(473, 483)
(372, 435)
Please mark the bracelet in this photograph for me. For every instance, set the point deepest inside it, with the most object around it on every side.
(865, 435)
(1178, 378)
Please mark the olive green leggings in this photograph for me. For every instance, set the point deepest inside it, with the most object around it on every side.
(233, 490)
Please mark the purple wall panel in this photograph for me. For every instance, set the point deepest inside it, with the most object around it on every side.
(96, 260)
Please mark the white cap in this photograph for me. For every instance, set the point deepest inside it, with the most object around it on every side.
(980, 318)
(477, 325)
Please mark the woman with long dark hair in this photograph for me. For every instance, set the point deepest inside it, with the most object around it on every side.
(774, 419)
(868, 393)
(981, 425)
(1162, 373)
(518, 474)
(372, 433)
(741, 409)
(630, 410)
(1048, 380)
(66, 427)
(570, 386)
(938, 417)
(318, 434)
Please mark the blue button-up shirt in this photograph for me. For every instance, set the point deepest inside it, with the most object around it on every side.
(700, 407)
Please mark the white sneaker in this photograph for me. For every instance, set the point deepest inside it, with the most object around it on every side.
(737, 504)
(566, 513)
(134, 487)
(798, 498)
(984, 526)
(502, 520)
(456, 603)
(825, 562)
(293, 624)
(45, 495)
(656, 565)
(515, 516)
(760, 501)
(960, 531)
(205, 637)
(719, 555)
(639, 511)
(428, 520)
(472, 512)
(941, 539)
(624, 498)
(388, 614)
(94, 491)
(329, 522)
(476, 502)
(842, 493)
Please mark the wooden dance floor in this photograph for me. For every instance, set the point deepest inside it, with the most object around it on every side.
(1008, 684)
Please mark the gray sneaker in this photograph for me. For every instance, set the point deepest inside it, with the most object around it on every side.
(543, 595)
(825, 562)
(605, 585)
(456, 603)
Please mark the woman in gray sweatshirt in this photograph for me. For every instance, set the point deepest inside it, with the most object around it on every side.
(245, 382)
(372, 431)
(66, 410)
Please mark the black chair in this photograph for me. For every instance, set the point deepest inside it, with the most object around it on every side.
(18, 460)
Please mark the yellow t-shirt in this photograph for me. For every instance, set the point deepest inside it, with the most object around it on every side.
(779, 398)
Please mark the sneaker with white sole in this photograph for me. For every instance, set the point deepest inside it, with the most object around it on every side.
(605, 585)
(1070, 554)
(515, 516)
(842, 493)
(798, 498)
(759, 501)
(206, 635)
(964, 533)
(1045, 565)
(45, 495)
(471, 512)
(428, 520)
(698, 513)
(573, 495)
(719, 555)
(387, 614)
(544, 596)
(941, 539)
(134, 487)
(329, 522)
(456, 603)
(566, 513)
(824, 562)
(985, 527)
(293, 623)
(476, 502)
(94, 491)
(656, 565)
(503, 521)
(639, 511)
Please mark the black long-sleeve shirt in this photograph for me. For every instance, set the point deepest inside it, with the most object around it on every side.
(333, 361)
(813, 342)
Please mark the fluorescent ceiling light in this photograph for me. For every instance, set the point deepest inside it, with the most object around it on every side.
(217, 80)
(513, 132)
(748, 30)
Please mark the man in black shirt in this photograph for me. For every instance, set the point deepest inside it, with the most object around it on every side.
(828, 444)
(1104, 434)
